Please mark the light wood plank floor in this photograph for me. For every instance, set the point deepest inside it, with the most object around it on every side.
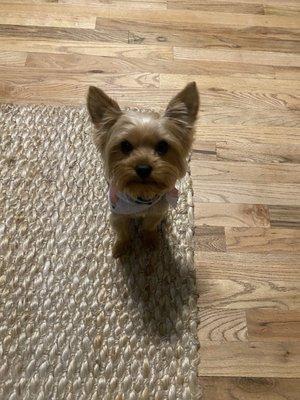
(245, 57)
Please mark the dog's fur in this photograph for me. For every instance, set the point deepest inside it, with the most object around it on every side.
(143, 130)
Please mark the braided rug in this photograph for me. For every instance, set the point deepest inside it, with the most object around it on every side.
(75, 323)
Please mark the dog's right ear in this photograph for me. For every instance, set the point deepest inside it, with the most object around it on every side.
(183, 108)
(103, 110)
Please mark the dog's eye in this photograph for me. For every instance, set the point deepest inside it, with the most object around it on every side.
(126, 147)
(161, 148)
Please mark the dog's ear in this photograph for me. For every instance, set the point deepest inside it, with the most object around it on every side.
(103, 110)
(183, 108)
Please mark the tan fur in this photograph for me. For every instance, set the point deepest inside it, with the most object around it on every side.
(143, 130)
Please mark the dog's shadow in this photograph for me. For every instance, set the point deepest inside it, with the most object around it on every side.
(161, 286)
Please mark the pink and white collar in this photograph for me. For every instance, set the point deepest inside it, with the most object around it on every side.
(122, 203)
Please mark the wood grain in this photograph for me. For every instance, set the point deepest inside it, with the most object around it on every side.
(284, 216)
(225, 171)
(268, 325)
(63, 33)
(228, 84)
(292, 10)
(240, 294)
(259, 135)
(206, 149)
(116, 65)
(260, 267)
(210, 238)
(218, 6)
(232, 215)
(259, 240)
(219, 325)
(204, 37)
(50, 86)
(250, 151)
(86, 47)
(245, 56)
(253, 359)
(249, 388)
(11, 58)
(152, 5)
(23, 15)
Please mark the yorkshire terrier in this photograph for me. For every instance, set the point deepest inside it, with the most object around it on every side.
(144, 154)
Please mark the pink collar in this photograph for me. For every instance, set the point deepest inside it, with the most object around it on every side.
(121, 203)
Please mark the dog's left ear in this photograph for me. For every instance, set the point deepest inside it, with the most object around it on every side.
(103, 110)
(183, 108)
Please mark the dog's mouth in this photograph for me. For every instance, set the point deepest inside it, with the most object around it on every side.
(144, 188)
(149, 182)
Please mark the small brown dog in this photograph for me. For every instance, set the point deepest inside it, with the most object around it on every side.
(144, 155)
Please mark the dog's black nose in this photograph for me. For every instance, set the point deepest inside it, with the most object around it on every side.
(143, 170)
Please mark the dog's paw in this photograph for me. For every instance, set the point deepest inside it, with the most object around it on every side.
(120, 248)
(150, 239)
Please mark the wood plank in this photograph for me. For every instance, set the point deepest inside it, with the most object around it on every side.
(207, 150)
(249, 388)
(153, 4)
(226, 36)
(15, 59)
(218, 6)
(246, 192)
(62, 33)
(234, 294)
(116, 65)
(182, 18)
(250, 151)
(244, 56)
(15, 16)
(248, 266)
(75, 94)
(223, 83)
(257, 359)
(226, 171)
(219, 325)
(87, 47)
(52, 89)
(84, 2)
(256, 114)
(221, 107)
(263, 134)
(204, 37)
(28, 1)
(231, 215)
(249, 108)
(291, 10)
(268, 325)
(190, 18)
(140, 4)
(42, 85)
(262, 240)
(287, 73)
(210, 238)
(284, 216)
(243, 192)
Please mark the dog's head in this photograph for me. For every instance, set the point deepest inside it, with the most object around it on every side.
(144, 153)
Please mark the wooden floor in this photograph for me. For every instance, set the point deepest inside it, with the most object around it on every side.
(245, 57)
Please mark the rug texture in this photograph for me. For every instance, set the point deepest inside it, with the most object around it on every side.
(74, 323)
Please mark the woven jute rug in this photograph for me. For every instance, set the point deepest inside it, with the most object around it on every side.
(74, 323)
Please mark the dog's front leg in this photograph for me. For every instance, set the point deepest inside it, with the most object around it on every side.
(149, 230)
(121, 227)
